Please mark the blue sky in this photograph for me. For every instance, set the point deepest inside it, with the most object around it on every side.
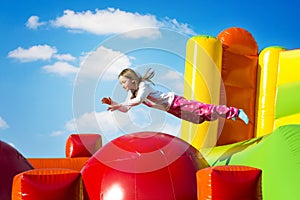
(59, 58)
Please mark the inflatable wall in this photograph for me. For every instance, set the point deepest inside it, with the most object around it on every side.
(265, 85)
(278, 97)
(221, 70)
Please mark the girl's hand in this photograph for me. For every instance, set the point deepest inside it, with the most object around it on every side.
(114, 107)
(106, 100)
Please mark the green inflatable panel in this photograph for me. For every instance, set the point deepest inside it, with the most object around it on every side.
(276, 154)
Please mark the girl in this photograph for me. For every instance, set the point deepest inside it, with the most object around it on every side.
(141, 91)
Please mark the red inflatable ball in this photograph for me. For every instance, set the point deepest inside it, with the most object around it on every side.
(11, 163)
(144, 165)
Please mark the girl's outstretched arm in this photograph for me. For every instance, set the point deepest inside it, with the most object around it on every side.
(143, 91)
(114, 105)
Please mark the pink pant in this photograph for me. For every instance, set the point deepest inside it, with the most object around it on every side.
(198, 112)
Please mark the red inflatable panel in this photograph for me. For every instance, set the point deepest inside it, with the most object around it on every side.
(239, 75)
(229, 183)
(68, 163)
(11, 163)
(141, 166)
(47, 184)
(82, 145)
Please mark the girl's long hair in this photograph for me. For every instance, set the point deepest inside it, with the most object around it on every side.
(131, 74)
(148, 76)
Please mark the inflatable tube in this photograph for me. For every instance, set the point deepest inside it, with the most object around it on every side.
(202, 83)
(276, 154)
(267, 73)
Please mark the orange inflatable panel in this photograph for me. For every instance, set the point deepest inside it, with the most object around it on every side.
(239, 75)
(83, 145)
(229, 183)
(68, 163)
(47, 184)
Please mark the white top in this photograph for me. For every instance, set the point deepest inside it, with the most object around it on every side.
(151, 97)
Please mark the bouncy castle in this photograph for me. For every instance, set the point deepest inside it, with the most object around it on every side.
(219, 160)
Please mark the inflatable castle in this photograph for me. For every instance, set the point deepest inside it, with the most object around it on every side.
(220, 160)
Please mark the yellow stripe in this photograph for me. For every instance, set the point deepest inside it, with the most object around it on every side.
(292, 119)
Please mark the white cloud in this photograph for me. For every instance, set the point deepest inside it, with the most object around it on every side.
(46, 52)
(114, 124)
(33, 22)
(103, 22)
(173, 75)
(116, 21)
(34, 53)
(3, 124)
(61, 68)
(93, 122)
(65, 57)
(88, 122)
(103, 62)
(57, 133)
(171, 80)
(175, 25)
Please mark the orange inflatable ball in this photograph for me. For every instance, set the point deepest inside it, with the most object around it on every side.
(144, 165)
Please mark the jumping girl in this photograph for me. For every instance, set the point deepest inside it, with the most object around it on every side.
(141, 91)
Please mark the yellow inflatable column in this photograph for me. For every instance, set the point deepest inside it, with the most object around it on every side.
(202, 83)
(267, 77)
(287, 109)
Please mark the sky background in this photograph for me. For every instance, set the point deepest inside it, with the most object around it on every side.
(59, 58)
